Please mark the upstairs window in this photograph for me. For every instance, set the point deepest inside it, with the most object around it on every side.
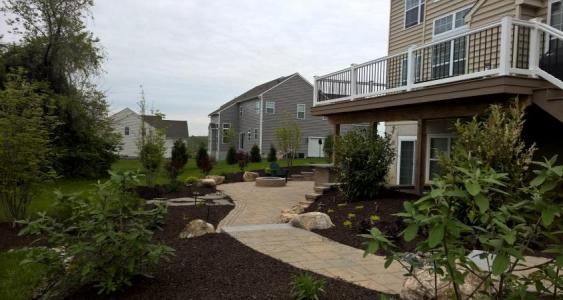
(240, 111)
(225, 137)
(270, 107)
(450, 22)
(301, 111)
(126, 131)
(249, 134)
(257, 107)
(414, 12)
(255, 133)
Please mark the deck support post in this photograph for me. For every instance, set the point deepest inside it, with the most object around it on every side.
(420, 168)
(335, 135)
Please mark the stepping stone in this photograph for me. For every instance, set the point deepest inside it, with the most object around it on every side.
(321, 189)
(297, 177)
(312, 196)
(307, 175)
(212, 197)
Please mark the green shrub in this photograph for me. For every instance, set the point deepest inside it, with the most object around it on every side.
(231, 158)
(151, 155)
(242, 159)
(106, 241)
(178, 160)
(255, 154)
(191, 180)
(363, 161)
(328, 147)
(306, 287)
(203, 161)
(272, 154)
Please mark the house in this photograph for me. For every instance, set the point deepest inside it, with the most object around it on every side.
(448, 60)
(128, 124)
(257, 113)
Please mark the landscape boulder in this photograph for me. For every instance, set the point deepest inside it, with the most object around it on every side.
(196, 228)
(218, 179)
(249, 176)
(413, 290)
(207, 182)
(312, 220)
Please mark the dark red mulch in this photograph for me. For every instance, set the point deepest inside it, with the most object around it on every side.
(237, 177)
(165, 191)
(219, 267)
(387, 203)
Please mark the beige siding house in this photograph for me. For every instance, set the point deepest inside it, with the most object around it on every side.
(451, 59)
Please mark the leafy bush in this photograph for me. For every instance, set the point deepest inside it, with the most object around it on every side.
(305, 287)
(231, 158)
(363, 161)
(24, 144)
(472, 206)
(203, 161)
(242, 159)
(152, 155)
(191, 180)
(272, 154)
(106, 241)
(328, 147)
(289, 138)
(178, 160)
(255, 154)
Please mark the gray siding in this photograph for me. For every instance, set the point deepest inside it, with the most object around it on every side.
(250, 120)
(287, 95)
(228, 115)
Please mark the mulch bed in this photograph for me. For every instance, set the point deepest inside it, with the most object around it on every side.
(237, 177)
(166, 192)
(388, 202)
(219, 267)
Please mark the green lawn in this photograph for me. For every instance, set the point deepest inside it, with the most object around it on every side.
(17, 280)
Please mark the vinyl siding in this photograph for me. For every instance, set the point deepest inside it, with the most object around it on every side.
(249, 121)
(287, 95)
(228, 115)
(399, 37)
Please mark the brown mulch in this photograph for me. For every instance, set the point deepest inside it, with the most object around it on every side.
(388, 202)
(166, 192)
(237, 177)
(219, 267)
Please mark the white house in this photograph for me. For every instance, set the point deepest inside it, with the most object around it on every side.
(128, 124)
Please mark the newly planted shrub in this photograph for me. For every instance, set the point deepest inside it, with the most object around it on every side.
(203, 161)
(255, 154)
(231, 157)
(191, 180)
(151, 155)
(178, 160)
(306, 287)
(105, 241)
(272, 154)
(363, 161)
(242, 159)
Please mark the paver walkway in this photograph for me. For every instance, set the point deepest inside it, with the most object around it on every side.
(254, 220)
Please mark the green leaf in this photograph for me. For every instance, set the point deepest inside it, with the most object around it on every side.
(482, 202)
(472, 187)
(509, 237)
(547, 216)
(538, 180)
(500, 264)
(436, 235)
(410, 232)
(559, 261)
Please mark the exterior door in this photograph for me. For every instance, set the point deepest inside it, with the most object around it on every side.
(406, 160)
(315, 147)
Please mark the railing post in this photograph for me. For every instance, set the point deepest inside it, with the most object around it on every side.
(505, 45)
(410, 67)
(353, 87)
(533, 55)
(316, 90)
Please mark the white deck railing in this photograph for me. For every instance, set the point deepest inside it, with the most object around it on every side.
(507, 47)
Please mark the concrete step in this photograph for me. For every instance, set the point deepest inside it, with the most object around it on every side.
(297, 177)
(307, 175)
(312, 196)
(322, 189)
(332, 185)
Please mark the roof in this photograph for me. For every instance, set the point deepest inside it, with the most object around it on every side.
(253, 92)
(173, 128)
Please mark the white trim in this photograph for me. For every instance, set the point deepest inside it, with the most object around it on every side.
(273, 108)
(454, 30)
(419, 21)
(449, 136)
(261, 122)
(304, 111)
(222, 128)
(219, 132)
(405, 138)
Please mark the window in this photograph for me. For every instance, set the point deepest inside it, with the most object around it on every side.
(436, 146)
(301, 111)
(270, 107)
(225, 137)
(240, 111)
(126, 131)
(249, 134)
(449, 22)
(414, 12)
(255, 133)
(257, 106)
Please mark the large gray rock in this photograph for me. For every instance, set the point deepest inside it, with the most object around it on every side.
(312, 220)
(414, 290)
(196, 228)
(250, 176)
(218, 179)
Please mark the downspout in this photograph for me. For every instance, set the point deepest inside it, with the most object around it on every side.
(219, 131)
(261, 122)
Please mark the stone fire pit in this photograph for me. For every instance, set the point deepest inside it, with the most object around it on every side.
(270, 181)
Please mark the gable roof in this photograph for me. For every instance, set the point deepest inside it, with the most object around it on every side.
(254, 92)
(173, 128)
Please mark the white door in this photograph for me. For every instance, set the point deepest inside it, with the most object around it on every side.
(315, 147)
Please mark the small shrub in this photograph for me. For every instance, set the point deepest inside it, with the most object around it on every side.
(374, 218)
(268, 171)
(106, 241)
(272, 154)
(231, 158)
(255, 154)
(351, 215)
(347, 224)
(328, 147)
(151, 155)
(178, 160)
(305, 287)
(363, 160)
(203, 161)
(242, 159)
(191, 180)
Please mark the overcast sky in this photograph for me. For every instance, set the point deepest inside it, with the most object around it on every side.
(193, 55)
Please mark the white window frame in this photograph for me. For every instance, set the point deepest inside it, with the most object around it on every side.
(223, 132)
(449, 136)
(454, 30)
(405, 138)
(304, 111)
(273, 107)
(249, 134)
(256, 133)
(420, 13)
(257, 107)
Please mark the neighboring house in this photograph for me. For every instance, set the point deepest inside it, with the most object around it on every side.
(128, 124)
(256, 114)
(450, 60)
